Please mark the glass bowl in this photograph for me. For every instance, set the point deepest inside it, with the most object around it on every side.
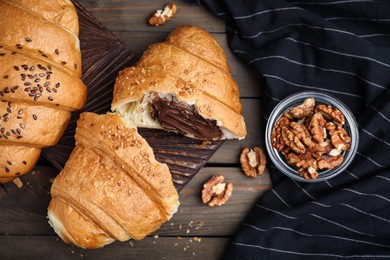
(321, 98)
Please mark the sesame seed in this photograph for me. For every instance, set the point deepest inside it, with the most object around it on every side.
(63, 63)
(28, 39)
(37, 96)
(57, 52)
(16, 67)
(34, 116)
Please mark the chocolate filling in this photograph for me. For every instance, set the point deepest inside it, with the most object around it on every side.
(180, 117)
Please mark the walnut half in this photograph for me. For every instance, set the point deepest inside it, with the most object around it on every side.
(162, 16)
(215, 192)
(253, 161)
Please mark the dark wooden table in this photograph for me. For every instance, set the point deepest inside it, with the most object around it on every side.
(196, 231)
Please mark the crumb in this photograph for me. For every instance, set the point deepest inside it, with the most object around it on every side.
(18, 182)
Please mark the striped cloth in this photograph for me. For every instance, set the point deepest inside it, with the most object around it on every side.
(341, 47)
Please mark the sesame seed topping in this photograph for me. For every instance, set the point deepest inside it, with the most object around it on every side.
(28, 39)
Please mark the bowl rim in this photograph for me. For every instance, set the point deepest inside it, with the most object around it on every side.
(350, 125)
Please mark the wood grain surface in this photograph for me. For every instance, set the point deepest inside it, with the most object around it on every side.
(196, 231)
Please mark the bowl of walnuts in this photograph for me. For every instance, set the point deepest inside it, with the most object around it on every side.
(311, 136)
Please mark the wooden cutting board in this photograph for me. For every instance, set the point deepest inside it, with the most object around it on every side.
(103, 57)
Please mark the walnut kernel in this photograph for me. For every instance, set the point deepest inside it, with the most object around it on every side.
(253, 161)
(162, 16)
(215, 192)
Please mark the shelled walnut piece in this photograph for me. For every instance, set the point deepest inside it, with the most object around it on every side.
(215, 192)
(162, 16)
(312, 137)
(253, 161)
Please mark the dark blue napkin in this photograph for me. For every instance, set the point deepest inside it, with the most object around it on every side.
(340, 47)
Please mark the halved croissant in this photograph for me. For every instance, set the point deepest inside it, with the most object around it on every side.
(184, 85)
(111, 188)
(40, 85)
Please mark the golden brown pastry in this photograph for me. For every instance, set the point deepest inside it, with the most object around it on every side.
(183, 85)
(111, 188)
(40, 85)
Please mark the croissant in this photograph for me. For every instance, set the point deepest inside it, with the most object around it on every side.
(182, 85)
(111, 187)
(40, 85)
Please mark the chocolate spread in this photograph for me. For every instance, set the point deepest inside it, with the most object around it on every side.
(180, 117)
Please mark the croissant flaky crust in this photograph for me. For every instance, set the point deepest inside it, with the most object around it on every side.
(111, 188)
(184, 85)
(40, 85)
